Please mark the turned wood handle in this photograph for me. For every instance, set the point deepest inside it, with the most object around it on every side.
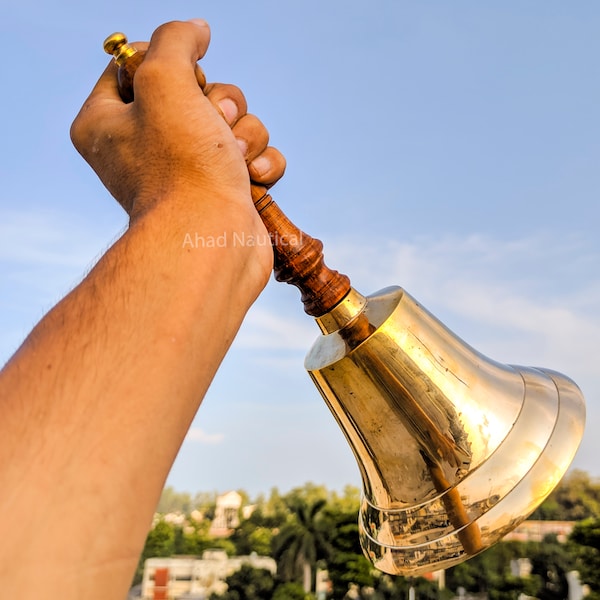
(298, 258)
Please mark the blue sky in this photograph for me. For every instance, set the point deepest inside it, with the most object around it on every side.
(449, 148)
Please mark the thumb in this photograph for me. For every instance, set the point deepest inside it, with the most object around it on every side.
(172, 54)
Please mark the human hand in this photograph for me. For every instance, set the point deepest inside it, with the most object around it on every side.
(173, 139)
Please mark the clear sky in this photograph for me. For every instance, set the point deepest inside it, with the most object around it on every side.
(451, 148)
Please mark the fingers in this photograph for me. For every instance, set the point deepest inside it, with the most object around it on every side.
(251, 135)
(266, 165)
(228, 100)
(103, 103)
(106, 87)
(173, 48)
(185, 42)
(168, 76)
(170, 61)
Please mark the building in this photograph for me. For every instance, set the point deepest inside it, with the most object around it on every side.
(227, 514)
(536, 531)
(191, 578)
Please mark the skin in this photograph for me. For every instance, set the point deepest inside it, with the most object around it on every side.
(95, 404)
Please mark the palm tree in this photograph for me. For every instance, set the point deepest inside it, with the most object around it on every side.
(301, 542)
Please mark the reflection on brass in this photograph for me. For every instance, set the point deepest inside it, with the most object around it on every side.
(453, 448)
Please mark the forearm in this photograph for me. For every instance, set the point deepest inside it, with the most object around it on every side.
(173, 308)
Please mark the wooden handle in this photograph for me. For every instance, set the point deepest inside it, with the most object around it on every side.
(298, 258)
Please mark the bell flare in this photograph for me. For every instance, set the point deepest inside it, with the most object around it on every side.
(454, 449)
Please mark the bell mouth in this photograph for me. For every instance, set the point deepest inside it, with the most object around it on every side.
(490, 500)
(454, 449)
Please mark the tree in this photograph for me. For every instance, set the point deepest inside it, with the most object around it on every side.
(347, 564)
(551, 562)
(172, 501)
(206, 504)
(271, 513)
(289, 591)
(260, 541)
(575, 498)
(159, 542)
(585, 538)
(301, 542)
(249, 538)
(490, 572)
(248, 583)
(193, 538)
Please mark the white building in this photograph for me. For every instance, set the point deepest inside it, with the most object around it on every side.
(187, 578)
(535, 531)
(227, 514)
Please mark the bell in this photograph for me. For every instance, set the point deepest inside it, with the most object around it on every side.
(454, 449)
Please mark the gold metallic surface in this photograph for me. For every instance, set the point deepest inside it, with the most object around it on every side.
(342, 314)
(454, 449)
(117, 46)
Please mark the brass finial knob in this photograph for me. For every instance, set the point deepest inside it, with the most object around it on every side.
(116, 44)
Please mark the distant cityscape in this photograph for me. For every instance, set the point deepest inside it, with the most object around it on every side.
(199, 577)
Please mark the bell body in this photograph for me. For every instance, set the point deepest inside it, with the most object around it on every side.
(454, 449)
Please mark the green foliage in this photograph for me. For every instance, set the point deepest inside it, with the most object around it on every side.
(248, 584)
(193, 539)
(289, 591)
(272, 512)
(575, 498)
(249, 538)
(159, 542)
(585, 546)
(172, 501)
(260, 541)
(587, 533)
(424, 588)
(347, 564)
(302, 540)
(489, 571)
(550, 562)
(311, 524)
(386, 587)
(510, 587)
(222, 544)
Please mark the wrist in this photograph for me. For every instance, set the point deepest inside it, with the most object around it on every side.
(195, 230)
